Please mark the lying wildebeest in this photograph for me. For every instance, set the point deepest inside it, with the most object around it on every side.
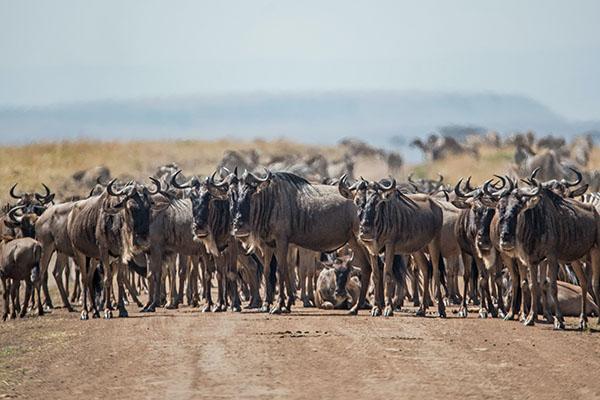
(537, 224)
(113, 225)
(280, 209)
(19, 261)
(338, 284)
(395, 223)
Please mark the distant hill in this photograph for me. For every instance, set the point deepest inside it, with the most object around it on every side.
(315, 117)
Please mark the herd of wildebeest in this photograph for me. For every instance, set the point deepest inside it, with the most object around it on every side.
(525, 242)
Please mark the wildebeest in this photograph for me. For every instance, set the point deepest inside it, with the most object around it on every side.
(280, 209)
(19, 261)
(537, 224)
(338, 284)
(395, 223)
(113, 225)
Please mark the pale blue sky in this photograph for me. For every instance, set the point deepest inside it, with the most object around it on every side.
(65, 51)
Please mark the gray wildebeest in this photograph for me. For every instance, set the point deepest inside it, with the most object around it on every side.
(537, 224)
(19, 261)
(395, 223)
(280, 209)
(113, 225)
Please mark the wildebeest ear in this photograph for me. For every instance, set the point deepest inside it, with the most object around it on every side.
(6, 238)
(327, 264)
(263, 186)
(531, 202)
(579, 191)
(460, 203)
(113, 208)
(160, 204)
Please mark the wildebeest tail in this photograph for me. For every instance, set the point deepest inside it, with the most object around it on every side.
(474, 272)
(442, 269)
(273, 273)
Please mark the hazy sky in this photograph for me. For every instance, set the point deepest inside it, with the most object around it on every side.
(63, 51)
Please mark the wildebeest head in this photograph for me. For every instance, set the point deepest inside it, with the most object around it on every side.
(248, 187)
(357, 192)
(136, 201)
(481, 214)
(32, 202)
(511, 202)
(18, 217)
(562, 187)
(376, 194)
(343, 270)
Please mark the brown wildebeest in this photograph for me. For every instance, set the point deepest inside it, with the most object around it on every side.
(19, 261)
(338, 284)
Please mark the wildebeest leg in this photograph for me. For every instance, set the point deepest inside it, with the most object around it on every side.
(498, 275)
(232, 276)
(182, 273)
(415, 284)
(44, 263)
(467, 259)
(423, 264)
(76, 294)
(130, 284)
(487, 305)
(122, 280)
(193, 281)
(221, 284)
(269, 263)
(310, 277)
(5, 298)
(388, 280)
(559, 321)
(437, 262)
(251, 276)
(361, 259)
(525, 292)
(59, 266)
(534, 288)
(207, 270)
(302, 278)
(595, 257)
(44, 285)
(154, 280)
(283, 279)
(545, 295)
(86, 280)
(379, 297)
(583, 284)
(172, 275)
(514, 280)
(108, 287)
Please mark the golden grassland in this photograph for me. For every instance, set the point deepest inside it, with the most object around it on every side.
(52, 163)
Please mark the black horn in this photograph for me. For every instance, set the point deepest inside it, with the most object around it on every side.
(110, 190)
(577, 181)
(174, 183)
(12, 192)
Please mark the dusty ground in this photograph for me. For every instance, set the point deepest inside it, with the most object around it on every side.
(308, 354)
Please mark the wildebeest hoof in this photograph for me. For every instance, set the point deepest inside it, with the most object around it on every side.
(286, 309)
(236, 308)
(41, 312)
(353, 311)
(47, 308)
(108, 314)
(265, 308)
(96, 314)
(84, 315)
(276, 310)
(529, 321)
(442, 313)
(206, 308)
(558, 324)
(171, 306)
(22, 314)
(388, 311)
(462, 313)
(307, 304)
(483, 314)
(217, 308)
(4, 316)
(375, 311)
(583, 324)
(416, 303)
(13, 315)
(123, 313)
(421, 312)
(509, 317)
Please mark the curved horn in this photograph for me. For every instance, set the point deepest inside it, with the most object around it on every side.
(577, 180)
(457, 191)
(507, 190)
(266, 178)
(186, 185)
(157, 184)
(44, 198)
(534, 192)
(534, 173)
(410, 177)
(12, 192)
(110, 190)
(503, 180)
(468, 185)
(392, 184)
(216, 184)
(441, 178)
(13, 217)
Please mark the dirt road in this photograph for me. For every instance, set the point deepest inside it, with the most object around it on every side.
(308, 354)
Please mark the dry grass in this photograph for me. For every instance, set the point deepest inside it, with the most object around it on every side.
(55, 163)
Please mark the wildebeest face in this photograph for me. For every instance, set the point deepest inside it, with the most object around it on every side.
(483, 220)
(509, 210)
(139, 204)
(368, 214)
(200, 210)
(248, 188)
(19, 217)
